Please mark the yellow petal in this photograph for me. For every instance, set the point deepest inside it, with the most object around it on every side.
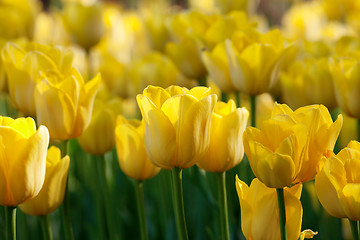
(157, 95)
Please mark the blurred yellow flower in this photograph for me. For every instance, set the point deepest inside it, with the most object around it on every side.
(131, 151)
(260, 212)
(52, 193)
(217, 64)
(255, 60)
(177, 124)
(346, 75)
(64, 103)
(23, 159)
(289, 147)
(98, 138)
(154, 69)
(337, 184)
(84, 22)
(308, 81)
(226, 149)
(17, 18)
(186, 56)
(23, 64)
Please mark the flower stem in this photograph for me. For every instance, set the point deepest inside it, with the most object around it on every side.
(354, 229)
(106, 197)
(282, 214)
(141, 209)
(66, 204)
(179, 203)
(10, 222)
(253, 110)
(238, 99)
(224, 97)
(46, 228)
(224, 220)
(358, 129)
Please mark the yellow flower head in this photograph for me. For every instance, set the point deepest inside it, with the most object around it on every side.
(23, 159)
(177, 124)
(226, 149)
(64, 103)
(288, 148)
(260, 211)
(23, 64)
(346, 73)
(98, 138)
(52, 193)
(131, 151)
(338, 183)
(255, 60)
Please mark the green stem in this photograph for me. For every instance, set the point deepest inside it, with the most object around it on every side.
(10, 222)
(141, 209)
(354, 229)
(224, 97)
(202, 81)
(179, 203)
(238, 99)
(282, 214)
(224, 219)
(46, 228)
(358, 129)
(253, 110)
(106, 197)
(66, 204)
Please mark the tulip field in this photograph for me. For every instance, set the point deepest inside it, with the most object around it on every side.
(179, 119)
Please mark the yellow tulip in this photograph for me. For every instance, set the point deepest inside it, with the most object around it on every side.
(114, 76)
(52, 193)
(98, 138)
(64, 104)
(346, 73)
(308, 81)
(255, 60)
(131, 151)
(154, 69)
(217, 64)
(23, 157)
(177, 124)
(226, 149)
(260, 212)
(186, 56)
(84, 22)
(225, 26)
(337, 184)
(17, 18)
(289, 147)
(22, 65)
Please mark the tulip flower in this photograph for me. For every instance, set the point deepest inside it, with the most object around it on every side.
(186, 56)
(65, 105)
(177, 124)
(336, 183)
(216, 63)
(288, 148)
(308, 82)
(98, 138)
(346, 72)
(131, 151)
(226, 149)
(255, 60)
(17, 18)
(84, 22)
(23, 152)
(22, 65)
(133, 160)
(52, 193)
(260, 214)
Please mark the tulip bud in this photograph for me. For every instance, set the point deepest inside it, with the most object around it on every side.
(52, 193)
